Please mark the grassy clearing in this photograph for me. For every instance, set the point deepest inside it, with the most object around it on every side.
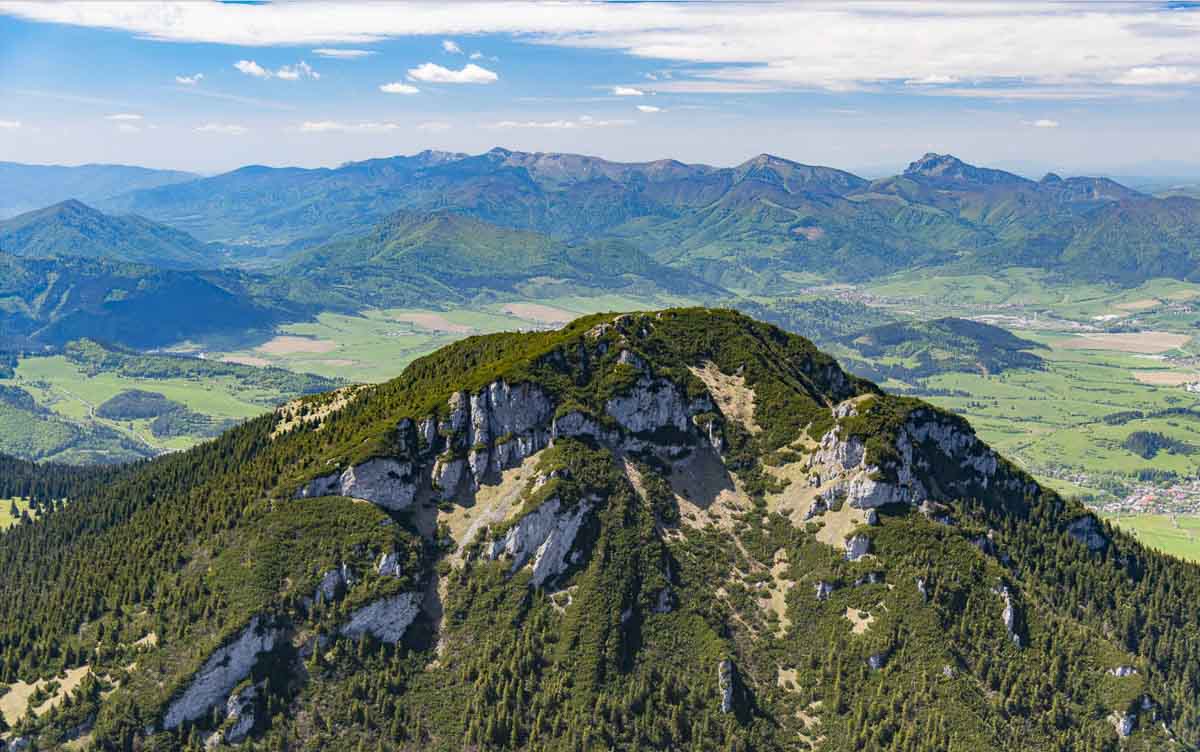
(7, 518)
(70, 394)
(1172, 534)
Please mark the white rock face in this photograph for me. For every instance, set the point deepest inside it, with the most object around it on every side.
(725, 682)
(651, 405)
(824, 590)
(387, 618)
(240, 708)
(389, 565)
(1009, 615)
(500, 426)
(1087, 530)
(857, 546)
(224, 669)
(448, 472)
(1123, 671)
(575, 424)
(546, 535)
(866, 486)
(382, 481)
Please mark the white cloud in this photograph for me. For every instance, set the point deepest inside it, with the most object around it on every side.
(342, 54)
(627, 91)
(435, 74)
(730, 46)
(123, 116)
(933, 79)
(434, 126)
(286, 73)
(296, 72)
(1043, 123)
(584, 121)
(128, 128)
(397, 87)
(450, 47)
(476, 55)
(335, 126)
(1157, 75)
(189, 80)
(10, 125)
(224, 129)
(648, 108)
(251, 68)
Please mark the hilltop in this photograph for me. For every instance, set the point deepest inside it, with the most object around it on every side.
(682, 529)
(72, 228)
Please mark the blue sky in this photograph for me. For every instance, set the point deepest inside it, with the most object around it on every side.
(208, 86)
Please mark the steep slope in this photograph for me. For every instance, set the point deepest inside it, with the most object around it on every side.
(72, 228)
(415, 258)
(675, 530)
(24, 187)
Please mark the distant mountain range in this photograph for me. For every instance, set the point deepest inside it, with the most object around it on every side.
(440, 228)
(24, 187)
(748, 228)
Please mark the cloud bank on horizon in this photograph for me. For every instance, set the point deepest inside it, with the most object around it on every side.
(582, 61)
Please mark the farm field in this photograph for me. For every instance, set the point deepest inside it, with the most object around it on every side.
(1177, 535)
(66, 427)
(377, 344)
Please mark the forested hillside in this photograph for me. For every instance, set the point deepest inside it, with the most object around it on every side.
(671, 530)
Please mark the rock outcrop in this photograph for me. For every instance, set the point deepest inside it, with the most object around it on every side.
(857, 546)
(225, 669)
(1123, 723)
(1088, 531)
(725, 683)
(547, 535)
(1009, 614)
(240, 709)
(926, 444)
(387, 618)
(334, 584)
(386, 482)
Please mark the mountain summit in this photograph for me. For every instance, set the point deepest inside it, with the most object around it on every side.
(672, 530)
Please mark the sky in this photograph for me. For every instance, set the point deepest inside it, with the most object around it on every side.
(209, 86)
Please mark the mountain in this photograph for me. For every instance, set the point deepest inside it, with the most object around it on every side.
(672, 530)
(53, 301)
(750, 228)
(24, 186)
(72, 228)
(414, 258)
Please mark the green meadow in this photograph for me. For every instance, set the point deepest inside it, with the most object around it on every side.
(1175, 535)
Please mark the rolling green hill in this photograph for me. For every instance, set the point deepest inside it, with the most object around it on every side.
(416, 258)
(72, 228)
(916, 349)
(53, 301)
(672, 530)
